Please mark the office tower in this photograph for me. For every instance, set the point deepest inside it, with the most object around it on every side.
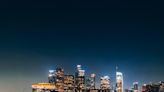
(119, 82)
(80, 78)
(69, 82)
(93, 81)
(90, 82)
(135, 87)
(51, 76)
(104, 82)
(59, 74)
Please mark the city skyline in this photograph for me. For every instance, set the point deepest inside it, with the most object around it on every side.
(38, 35)
(104, 82)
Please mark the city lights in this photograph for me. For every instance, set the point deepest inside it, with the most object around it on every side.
(58, 81)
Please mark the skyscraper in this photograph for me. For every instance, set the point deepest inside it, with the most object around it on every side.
(119, 81)
(93, 80)
(69, 82)
(135, 87)
(90, 82)
(51, 76)
(105, 82)
(80, 78)
(59, 80)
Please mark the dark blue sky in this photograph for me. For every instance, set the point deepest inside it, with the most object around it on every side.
(36, 36)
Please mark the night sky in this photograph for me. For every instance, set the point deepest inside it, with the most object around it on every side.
(38, 35)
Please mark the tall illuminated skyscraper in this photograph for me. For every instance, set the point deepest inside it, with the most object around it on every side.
(51, 76)
(59, 73)
(119, 81)
(80, 78)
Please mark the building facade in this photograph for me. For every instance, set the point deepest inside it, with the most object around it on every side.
(69, 82)
(135, 87)
(104, 82)
(119, 82)
(59, 80)
(79, 78)
(51, 76)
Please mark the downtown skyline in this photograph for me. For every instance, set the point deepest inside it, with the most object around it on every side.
(39, 35)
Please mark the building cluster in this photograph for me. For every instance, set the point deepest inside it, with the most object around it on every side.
(152, 87)
(58, 81)
(77, 82)
(135, 88)
(158, 87)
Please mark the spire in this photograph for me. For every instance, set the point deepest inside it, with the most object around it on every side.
(116, 68)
